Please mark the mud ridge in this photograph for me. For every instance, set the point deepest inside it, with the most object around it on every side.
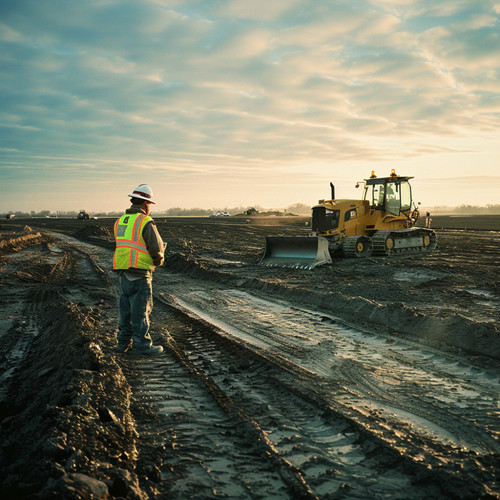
(16, 243)
(67, 404)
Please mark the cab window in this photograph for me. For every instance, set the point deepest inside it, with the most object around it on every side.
(375, 194)
(405, 196)
(392, 198)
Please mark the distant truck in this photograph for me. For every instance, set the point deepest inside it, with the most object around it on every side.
(10, 216)
(83, 215)
(219, 213)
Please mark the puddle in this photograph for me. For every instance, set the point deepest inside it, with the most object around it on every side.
(222, 261)
(27, 332)
(424, 425)
(480, 293)
(417, 276)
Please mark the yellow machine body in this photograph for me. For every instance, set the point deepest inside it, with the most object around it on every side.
(382, 223)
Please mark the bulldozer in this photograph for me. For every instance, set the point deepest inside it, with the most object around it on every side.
(382, 223)
(83, 215)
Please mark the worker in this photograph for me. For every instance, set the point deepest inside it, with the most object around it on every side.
(139, 250)
(428, 220)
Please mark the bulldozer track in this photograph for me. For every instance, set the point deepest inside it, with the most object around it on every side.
(357, 246)
(386, 242)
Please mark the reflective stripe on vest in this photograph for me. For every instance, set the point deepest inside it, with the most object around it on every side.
(131, 250)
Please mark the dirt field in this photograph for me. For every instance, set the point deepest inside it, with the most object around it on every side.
(370, 378)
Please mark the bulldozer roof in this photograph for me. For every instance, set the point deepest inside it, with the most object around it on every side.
(381, 180)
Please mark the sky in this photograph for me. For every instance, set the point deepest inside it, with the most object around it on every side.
(231, 103)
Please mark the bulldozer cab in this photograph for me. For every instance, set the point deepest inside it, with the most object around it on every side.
(391, 194)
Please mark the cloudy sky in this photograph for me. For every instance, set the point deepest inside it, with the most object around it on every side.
(229, 103)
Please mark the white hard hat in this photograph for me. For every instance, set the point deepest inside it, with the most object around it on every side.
(143, 192)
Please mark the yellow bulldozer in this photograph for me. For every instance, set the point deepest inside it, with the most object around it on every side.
(382, 223)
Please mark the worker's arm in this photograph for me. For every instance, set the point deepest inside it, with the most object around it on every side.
(154, 243)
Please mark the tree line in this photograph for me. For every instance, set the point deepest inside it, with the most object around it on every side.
(467, 210)
(296, 209)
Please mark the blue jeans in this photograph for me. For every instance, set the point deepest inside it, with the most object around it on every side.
(136, 304)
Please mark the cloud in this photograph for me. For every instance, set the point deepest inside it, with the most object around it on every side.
(241, 46)
(189, 88)
(257, 10)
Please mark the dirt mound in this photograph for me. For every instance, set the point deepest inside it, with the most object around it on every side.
(68, 409)
(94, 231)
(17, 240)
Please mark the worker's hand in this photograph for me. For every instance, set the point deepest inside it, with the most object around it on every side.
(158, 261)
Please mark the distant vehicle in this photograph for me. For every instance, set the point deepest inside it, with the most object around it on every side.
(219, 213)
(83, 215)
(10, 216)
(251, 211)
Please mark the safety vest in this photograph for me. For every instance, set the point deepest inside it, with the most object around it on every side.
(131, 250)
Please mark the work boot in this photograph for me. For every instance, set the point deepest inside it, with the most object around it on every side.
(122, 347)
(154, 349)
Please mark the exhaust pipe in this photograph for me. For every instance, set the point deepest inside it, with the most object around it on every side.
(333, 190)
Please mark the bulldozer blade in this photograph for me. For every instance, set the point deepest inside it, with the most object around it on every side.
(297, 252)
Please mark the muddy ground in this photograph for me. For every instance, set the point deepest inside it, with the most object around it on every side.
(369, 378)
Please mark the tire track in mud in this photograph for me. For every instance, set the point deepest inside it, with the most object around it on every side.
(203, 438)
(387, 395)
(331, 454)
(429, 385)
(88, 269)
(23, 307)
(215, 450)
(14, 346)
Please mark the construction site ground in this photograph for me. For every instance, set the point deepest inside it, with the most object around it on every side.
(368, 378)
